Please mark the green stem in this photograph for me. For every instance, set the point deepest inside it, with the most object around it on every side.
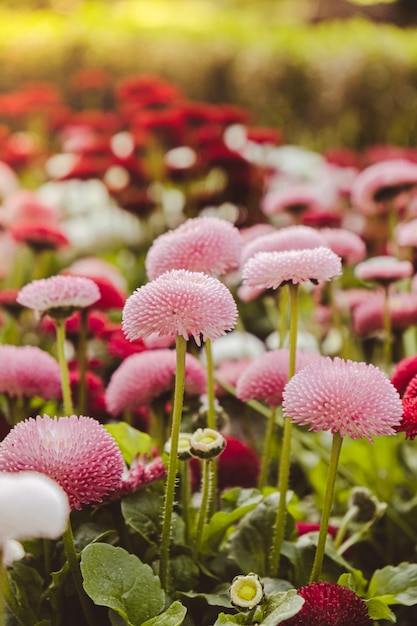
(181, 349)
(211, 416)
(65, 382)
(387, 330)
(348, 517)
(186, 498)
(284, 465)
(267, 448)
(74, 566)
(327, 506)
(207, 494)
(82, 361)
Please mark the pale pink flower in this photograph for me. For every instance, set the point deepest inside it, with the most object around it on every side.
(345, 397)
(202, 244)
(266, 376)
(269, 270)
(144, 376)
(383, 269)
(405, 234)
(58, 293)
(28, 371)
(77, 452)
(368, 315)
(294, 199)
(288, 238)
(381, 181)
(346, 244)
(182, 303)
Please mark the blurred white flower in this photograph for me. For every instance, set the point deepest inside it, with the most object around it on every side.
(32, 505)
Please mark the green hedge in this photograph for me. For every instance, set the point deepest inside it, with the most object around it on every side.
(337, 84)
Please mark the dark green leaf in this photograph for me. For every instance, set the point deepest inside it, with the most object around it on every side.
(120, 581)
(143, 512)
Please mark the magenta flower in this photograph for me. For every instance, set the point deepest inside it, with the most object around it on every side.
(202, 244)
(330, 604)
(142, 473)
(28, 371)
(322, 395)
(266, 376)
(58, 294)
(289, 238)
(144, 376)
(404, 371)
(269, 270)
(77, 452)
(182, 303)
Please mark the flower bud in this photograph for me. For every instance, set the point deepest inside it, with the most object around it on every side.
(368, 506)
(246, 592)
(207, 443)
(184, 451)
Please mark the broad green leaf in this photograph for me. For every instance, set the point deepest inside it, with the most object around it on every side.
(173, 616)
(219, 523)
(131, 441)
(281, 606)
(236, 497)
(120, 581)
(379, 610)
(28, 585)
(143, 512)
(398, 581)
(250, 544)
(184, 572)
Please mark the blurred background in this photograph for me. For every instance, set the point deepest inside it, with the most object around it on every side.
(328, 73)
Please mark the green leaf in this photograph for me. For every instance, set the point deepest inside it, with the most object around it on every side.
(355, 581)
(237, 497)
(184, 572)
(28, 585)
(215, 530)
(250, 544)
(379, 610)
(173, 616)
(120, 581)
(281, 606)
(131, 441)
(226, 620)
(398, 581)
(143, 512)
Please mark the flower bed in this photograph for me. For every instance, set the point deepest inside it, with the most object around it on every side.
(207, 368)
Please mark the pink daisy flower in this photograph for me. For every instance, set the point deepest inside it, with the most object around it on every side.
(265, 378)
(382, 181)
(383, 270)
(39, 236)
(142, 473)
(346, 244)
(183, 303)
(330, 604)
(289, 238)
(77, 452)
(294, 199)
(368, 315)
(321, 395)
(269, 270)
(202, 244)
(144, 376)
(58, 294)
(405, 234)
(28, 371)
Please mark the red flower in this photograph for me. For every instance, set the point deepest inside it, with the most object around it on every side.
(330, 604)
(238, 466)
